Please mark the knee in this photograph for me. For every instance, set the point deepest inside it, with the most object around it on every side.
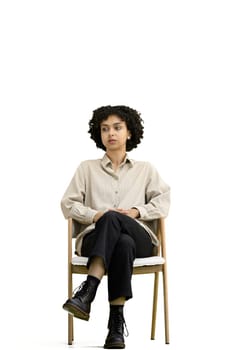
(109, 215)
(110, 218)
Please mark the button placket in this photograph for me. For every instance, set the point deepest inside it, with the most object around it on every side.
(116, 193)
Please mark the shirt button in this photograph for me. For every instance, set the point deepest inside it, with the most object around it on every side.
(116, 192)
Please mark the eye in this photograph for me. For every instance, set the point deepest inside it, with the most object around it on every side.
(118, 127)
(104, 129)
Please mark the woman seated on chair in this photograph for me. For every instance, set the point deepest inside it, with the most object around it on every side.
(116, 201)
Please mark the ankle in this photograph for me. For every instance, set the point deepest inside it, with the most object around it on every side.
(116, 310)
(118, 301)
(93, 280)
(116, 307)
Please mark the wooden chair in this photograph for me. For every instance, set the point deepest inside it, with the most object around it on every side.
(154, 264)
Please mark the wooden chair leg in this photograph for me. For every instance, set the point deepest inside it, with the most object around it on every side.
(70, 329)
(70, 281)
(70, 317)
(165, 296)
(154, 308)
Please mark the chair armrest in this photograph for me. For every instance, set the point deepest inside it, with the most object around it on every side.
(70, 229)
(162, 237)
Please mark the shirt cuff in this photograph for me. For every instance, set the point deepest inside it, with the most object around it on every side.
(84, 215)
(142, 212)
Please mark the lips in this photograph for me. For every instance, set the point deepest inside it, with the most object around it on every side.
(111, 141)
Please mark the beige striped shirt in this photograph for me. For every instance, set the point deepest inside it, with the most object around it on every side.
(95, 187)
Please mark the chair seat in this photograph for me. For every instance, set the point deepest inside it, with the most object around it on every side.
(150, 261)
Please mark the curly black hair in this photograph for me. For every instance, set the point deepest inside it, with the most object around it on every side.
(130, 116)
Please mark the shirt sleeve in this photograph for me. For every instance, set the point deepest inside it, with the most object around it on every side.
(157, 197)
(73, 201)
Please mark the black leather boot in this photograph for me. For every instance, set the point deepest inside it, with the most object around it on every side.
(80, 304)
(116, 323)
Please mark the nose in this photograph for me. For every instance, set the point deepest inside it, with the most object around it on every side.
(111, 131)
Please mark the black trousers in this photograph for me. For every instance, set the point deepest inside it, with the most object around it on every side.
(118, 239)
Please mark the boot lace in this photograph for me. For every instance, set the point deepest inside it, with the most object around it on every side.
(125, 329)
(118, 324)
(81, 290)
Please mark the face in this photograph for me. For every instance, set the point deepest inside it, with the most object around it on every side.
(114, 133)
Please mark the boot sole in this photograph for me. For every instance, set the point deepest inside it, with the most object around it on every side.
(114, 346)
(76, 312)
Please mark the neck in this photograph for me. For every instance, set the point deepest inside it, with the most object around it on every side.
(116, 158)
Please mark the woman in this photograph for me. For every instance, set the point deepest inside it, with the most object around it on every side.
(116, 202)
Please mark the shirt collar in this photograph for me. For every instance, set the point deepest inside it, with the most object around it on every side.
(107, 162)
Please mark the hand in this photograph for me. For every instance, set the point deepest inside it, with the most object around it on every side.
(132, 212)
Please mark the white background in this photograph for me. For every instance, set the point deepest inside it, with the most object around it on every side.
(172, 61)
